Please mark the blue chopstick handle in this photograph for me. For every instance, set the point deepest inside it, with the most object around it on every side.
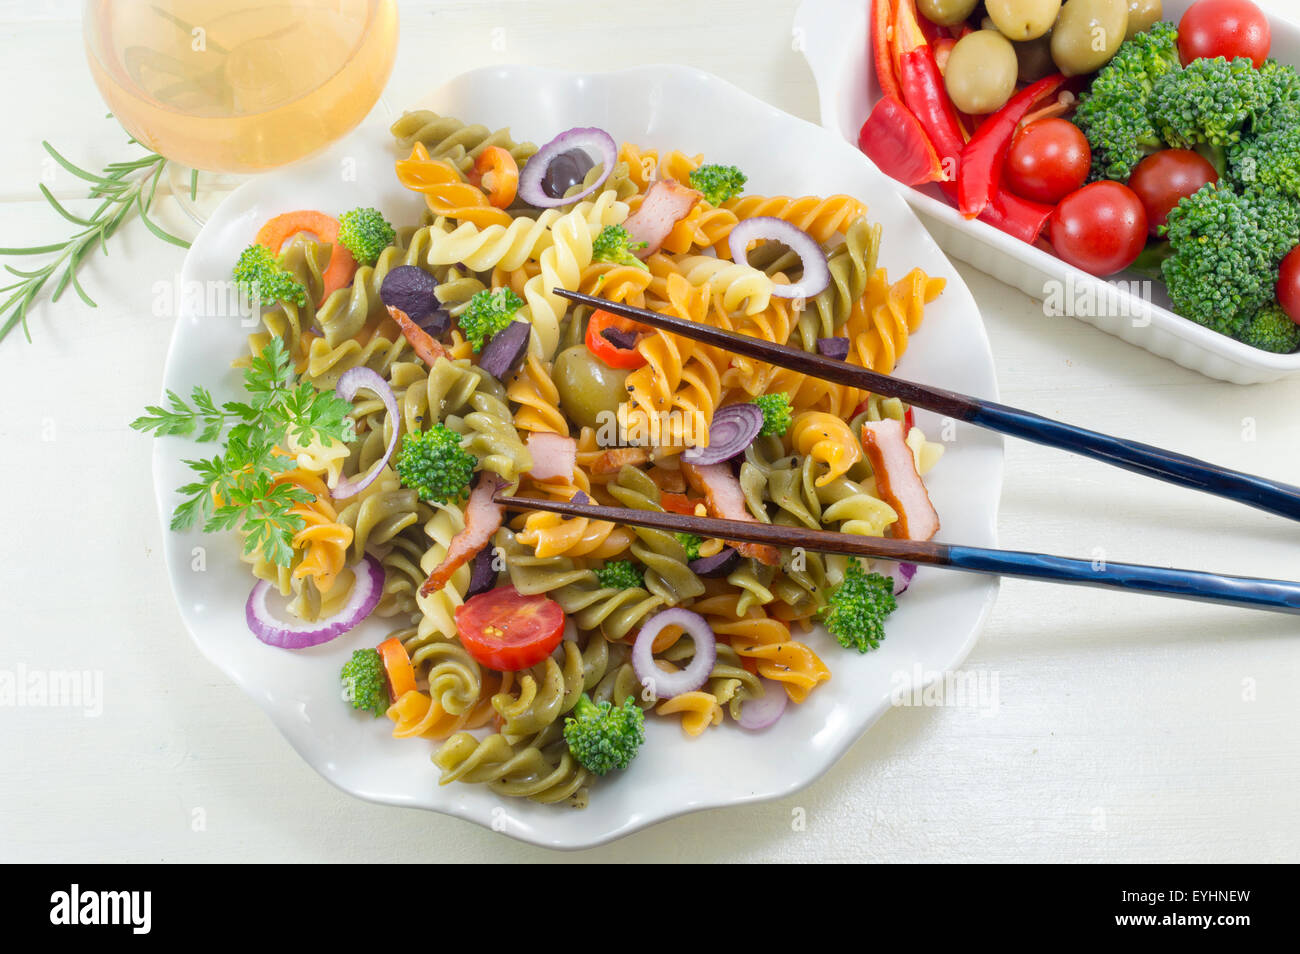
(1277, 595)
(1270, 495)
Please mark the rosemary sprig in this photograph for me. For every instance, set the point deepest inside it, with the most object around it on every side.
(123, 187)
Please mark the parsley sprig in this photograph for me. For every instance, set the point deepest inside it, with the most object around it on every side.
(236, 490)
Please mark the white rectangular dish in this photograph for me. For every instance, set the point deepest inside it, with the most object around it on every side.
(834, 38)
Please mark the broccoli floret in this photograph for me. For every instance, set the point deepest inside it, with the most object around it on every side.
(260, 275)
(718, 183)
(602, 736)
(856, 610)
(613, 244)
(777, 414)
(1272, 330)
(1114, 112)
(364, 683)
(1282, 89)
(487, 313)
(1225, 248)
(434, 465)
(1268, 162)
(691, 544)
(621, 575)
(1209, 104)
(365, 233)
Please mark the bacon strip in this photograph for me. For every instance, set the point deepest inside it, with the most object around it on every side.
(726, 501)
(554, 455)
(665, 204)
(897, 481)
(483, 517)
(425, 346)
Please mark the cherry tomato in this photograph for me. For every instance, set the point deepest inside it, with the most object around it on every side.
(507, 631)
(1227, 28)
(1288, 285)
(1101, 228)
(606, 350)
(1164, 179)
(1048, 160)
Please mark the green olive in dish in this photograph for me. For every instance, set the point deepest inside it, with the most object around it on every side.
(1022, 20)
(946, 12)
(981, 74)
(1142, 16)
(588, 387)
(1035, 59)
(1087, 34)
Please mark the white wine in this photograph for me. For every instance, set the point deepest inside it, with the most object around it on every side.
(239, 86)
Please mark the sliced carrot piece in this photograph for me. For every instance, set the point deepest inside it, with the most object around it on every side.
(397, 664)
(281, 228)
(497, 174)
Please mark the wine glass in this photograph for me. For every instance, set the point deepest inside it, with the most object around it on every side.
(234, 87)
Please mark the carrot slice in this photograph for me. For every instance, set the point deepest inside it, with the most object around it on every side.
(397, 664)
(281, 228)
(497, 174)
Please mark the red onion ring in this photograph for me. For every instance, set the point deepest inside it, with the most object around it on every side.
(760, 713)
(901, 573)
(353, 380)
(732, 429)
(590, 140)
(663, 684)
(816, 274)
(366, 591)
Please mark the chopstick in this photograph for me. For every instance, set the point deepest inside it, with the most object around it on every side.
(1268, 495)
(1279, 596)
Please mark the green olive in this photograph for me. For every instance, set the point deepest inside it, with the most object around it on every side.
(588, 387)
(1035, 59)
(946, 12)
(1022, 20)
(1087, 34)
(981, 73)
(1142, 15)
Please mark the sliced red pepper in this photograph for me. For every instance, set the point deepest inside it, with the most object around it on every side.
(942, 50)
(894, 140)
(606, 350)
(677, 503)
(1019, 218)
(980, 172)
(923, 89)
(880, 48)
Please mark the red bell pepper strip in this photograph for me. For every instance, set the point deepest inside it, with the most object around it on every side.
(894, 140)
(880, 51)
(1019, 218)
(923, 90)
(980, 172)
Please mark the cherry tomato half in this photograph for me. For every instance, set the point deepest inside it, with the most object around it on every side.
(1101, 228)
(606, 350)
(1165, 178)
(1288, 285)
(507, 631)
(1048, 160)
(1227, 28)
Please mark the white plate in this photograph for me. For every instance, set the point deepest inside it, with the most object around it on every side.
(835, 41)
(934, 628)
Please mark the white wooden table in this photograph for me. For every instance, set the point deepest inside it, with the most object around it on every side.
(1128, 729)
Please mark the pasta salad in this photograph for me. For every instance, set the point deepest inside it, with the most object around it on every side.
(403, 382)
